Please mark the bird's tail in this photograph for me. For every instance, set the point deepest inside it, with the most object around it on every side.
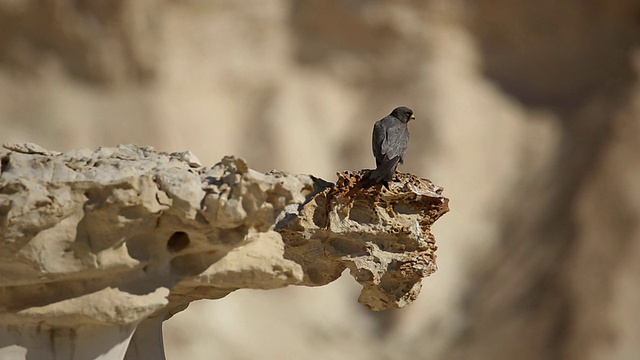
(385, 171)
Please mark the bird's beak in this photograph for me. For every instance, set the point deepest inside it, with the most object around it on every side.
(413, 117)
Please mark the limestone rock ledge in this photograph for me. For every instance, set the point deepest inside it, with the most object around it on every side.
(97, 248)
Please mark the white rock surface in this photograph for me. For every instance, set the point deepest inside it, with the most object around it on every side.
(95, 245)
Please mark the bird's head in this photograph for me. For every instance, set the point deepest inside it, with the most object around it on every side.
(403, 114)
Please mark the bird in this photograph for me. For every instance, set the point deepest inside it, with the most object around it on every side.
(389, 142)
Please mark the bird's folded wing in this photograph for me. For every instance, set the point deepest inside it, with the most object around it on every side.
(396, 141)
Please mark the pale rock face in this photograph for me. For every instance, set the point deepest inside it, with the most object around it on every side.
(103, 246)
(527, 110)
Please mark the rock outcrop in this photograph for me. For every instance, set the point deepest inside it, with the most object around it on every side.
(99, 247)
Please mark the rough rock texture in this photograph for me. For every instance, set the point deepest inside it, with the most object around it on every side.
(95, 243)
(383, 238)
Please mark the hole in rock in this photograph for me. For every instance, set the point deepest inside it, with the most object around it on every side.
(4, 165)
(178, 241)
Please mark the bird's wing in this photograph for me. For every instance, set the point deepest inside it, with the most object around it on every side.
(396, 140)
(379, 135)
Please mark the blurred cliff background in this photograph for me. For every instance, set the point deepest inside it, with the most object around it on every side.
(528, 115)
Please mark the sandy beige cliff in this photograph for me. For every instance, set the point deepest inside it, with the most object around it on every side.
(527, 111)
(99, 247)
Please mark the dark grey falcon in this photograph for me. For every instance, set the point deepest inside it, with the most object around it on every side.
(390, 141)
